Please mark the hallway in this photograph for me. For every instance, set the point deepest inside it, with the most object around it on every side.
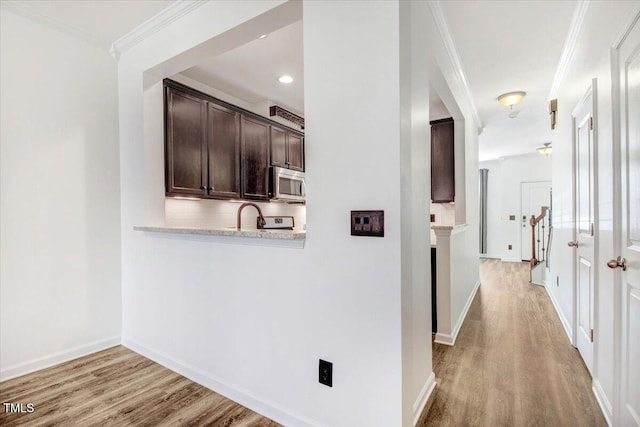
(512, 363)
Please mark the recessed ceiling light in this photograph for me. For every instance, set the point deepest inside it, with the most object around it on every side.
(264, 36)
(285, 79)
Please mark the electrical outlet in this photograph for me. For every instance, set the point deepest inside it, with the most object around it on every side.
(510, 247)
(325, 373)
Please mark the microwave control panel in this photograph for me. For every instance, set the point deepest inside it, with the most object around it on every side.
(367, 223)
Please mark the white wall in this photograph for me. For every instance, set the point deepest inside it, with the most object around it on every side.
(504, 198)
(602, 24)
(252, 322)
(418, 380)
(60, 246)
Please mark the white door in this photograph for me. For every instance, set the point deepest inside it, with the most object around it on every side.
(628, 283)
(534, 195)
(584, 232)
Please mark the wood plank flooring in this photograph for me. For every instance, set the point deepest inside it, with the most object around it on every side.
(118, 387)
(512, 364)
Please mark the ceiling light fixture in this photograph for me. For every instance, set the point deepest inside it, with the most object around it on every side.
(510, 99)
(264, 36)
(286, 79)
(545, 149)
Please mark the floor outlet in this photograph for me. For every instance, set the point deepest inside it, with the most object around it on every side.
(325, 373)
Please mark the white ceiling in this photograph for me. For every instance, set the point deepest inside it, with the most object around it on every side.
(503, 46)
(250, 72)
(99, 21)
(509, 46)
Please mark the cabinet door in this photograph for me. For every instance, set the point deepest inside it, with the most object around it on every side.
(442, 162)
(296, 152)
(186, 155)
(223, 137)
(278, 147)
(255, 159)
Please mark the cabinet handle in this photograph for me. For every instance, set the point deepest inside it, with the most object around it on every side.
(202, 187)
(210, 188)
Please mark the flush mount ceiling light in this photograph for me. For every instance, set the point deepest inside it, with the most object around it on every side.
(264, 36)
(545, 149)
(286, 79)
(510, 99)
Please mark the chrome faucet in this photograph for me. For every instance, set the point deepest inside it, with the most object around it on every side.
(261, 221)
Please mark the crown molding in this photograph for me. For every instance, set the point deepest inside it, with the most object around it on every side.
(454, 59)
(569, 48)
(156, 23)
(23, 9)
(634, 18)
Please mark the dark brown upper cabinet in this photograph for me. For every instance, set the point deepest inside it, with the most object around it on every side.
(217, 150)
(255, 159)
(287, 149)
(202, 147)
(442, 161)
(223, 136)
(186, 151)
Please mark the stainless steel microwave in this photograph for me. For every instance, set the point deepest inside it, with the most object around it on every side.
(286, 185)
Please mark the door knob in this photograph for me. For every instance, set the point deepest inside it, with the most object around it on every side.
(573, 244)
(619, 262)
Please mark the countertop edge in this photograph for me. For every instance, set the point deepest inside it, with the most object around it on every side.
(221, 232)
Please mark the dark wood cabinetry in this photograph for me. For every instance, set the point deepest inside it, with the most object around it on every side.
(217, 150)
(442, 161)
(223, 130)
(255, 159)
(287, 149)
(185, 144)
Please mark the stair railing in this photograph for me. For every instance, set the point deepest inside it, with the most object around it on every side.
(539, 241)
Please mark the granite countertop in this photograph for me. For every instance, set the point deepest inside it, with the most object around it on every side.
(230, 232)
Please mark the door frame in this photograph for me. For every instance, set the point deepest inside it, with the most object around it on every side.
(618, 241)
(593, 92)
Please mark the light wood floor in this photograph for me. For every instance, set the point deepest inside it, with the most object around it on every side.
(118, 387)
(512, 364)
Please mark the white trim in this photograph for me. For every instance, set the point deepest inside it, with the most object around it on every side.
(511, 260)
(454, 59)
(635, 17)
(151, 26)
(22, 8)
(423, 397)
(563, 319)
(490, 256)
(604, 403)
(243, 397)
(450, 339)
(570, 42)
(57, 358)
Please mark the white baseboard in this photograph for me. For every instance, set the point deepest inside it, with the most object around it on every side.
(423, 397)
(490, 256)
(511, 260)
(604, 403)
(565, 322)
(243, 397)
(450, 339)
(57, 358)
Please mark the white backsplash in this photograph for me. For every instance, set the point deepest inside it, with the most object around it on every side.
(222, 214)
(445, 213)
